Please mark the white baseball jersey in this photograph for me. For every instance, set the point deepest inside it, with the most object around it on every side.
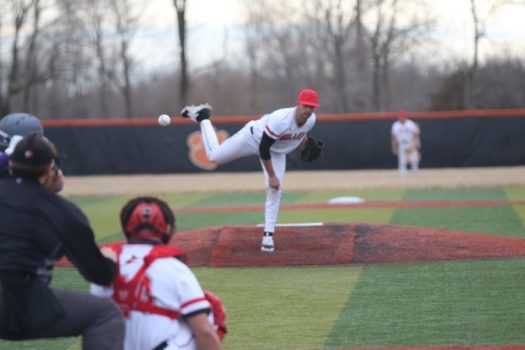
(280, 125)
(173, 286)
(405, 133)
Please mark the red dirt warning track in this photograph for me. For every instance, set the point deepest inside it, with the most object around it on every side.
(334, 243)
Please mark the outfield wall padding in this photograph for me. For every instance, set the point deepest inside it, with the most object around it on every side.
(450, 139)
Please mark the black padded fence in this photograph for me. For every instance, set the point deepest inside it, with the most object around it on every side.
(449, 139)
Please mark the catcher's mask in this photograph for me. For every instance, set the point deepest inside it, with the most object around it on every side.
(147, 218)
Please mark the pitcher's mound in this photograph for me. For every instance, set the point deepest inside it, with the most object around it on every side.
(334, 244)
(331, 244)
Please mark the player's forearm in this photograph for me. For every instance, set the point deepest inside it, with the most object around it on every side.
(273, 180)
(205, 335)
(266, 158)
(208, 341)
(394, 146)
(303, 142)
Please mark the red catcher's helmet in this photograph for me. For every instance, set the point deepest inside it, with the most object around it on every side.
(147, 218)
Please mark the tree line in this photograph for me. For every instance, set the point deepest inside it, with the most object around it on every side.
(63, 59)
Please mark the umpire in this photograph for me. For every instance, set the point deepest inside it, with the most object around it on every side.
(38, 227)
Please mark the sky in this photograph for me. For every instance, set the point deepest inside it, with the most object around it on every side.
(504, 28)
(214, 30)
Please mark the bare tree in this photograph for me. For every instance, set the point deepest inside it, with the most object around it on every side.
(376, 46)
(96, 17)
(283, 43)
(361, 66)
(126, 23)
(252, 32)
(184, 85)
(479, 23)
(338, 23)
(389, 40)
(74, 59)
(78, 67)
(96, 63)
(30, 62)
(19, 10)
(31, 65)
(471, 72)
(277, 52)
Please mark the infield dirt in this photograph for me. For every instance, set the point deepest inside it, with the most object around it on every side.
(340, 243)
(294, 181)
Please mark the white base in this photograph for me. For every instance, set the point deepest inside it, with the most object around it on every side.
(346, 200)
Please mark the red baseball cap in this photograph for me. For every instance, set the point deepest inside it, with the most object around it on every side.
(308, 97)
(402, 114)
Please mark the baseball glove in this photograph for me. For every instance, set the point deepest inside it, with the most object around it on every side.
(312, 149)
(219, 314)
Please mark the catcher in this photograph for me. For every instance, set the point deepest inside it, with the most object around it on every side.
(160, 297)
(271, 137)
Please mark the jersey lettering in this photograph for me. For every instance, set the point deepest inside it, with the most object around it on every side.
(288, 137)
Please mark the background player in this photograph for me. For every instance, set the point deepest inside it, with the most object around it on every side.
(162, 301)
(406, 143)
(271, 137)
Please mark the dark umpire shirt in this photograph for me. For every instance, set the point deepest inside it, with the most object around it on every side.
(37, 227)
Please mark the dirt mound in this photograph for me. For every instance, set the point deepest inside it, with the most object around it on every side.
(337, 244)
(332, 244)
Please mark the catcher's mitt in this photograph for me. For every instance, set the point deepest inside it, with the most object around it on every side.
(312, 149)
(219, 314)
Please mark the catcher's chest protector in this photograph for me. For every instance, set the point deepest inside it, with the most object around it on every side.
(135, 294)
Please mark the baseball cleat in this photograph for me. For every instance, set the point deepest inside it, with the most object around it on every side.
(267, 244)
(197, 113)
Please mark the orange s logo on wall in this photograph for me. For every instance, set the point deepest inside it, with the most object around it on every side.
(196, 151)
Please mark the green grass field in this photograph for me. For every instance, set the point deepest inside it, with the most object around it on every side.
(474, 302)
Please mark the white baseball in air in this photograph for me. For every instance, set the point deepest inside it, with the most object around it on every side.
(164, 120)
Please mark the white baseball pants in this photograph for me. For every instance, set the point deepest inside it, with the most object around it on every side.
(242, 144)
(407, 154)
